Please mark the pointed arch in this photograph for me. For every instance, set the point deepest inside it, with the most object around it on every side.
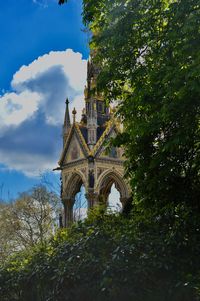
(74, 183)
(107, 179)
(72, 188)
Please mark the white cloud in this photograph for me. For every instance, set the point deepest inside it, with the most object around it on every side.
(34, 89)
(32, 113)
(71, 62)
(30, 165)
(15, 108)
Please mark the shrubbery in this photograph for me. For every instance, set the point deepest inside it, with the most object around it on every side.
(110, 257)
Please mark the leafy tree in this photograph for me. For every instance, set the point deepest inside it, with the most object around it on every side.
(149, 53)
(109, 257)
(7, 241)
(29, 220)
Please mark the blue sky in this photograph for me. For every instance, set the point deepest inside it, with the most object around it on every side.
(43, 52)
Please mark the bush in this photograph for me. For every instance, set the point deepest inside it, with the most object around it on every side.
(109, 257)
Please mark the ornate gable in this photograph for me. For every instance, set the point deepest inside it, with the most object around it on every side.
(74, 151)
(106, 133)
(100, 147)
(103, 150)
(75, 147)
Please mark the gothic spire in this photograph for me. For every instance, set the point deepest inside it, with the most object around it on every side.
(67, 123)
(67, 117)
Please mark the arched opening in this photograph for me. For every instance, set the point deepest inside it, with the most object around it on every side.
(80, 206)
(114, 204)
(113, 190)
(76, 203)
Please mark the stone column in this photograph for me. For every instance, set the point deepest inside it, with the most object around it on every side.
(68, 212)
(92, 198)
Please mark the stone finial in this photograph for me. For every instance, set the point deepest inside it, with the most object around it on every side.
(74, 115)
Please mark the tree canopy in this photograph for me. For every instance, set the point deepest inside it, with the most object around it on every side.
(29, 220)
(149, 53)
(109, 257)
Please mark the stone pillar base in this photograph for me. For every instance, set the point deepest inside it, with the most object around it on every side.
(68, 212)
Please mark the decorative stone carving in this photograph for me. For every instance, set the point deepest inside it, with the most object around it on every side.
(99, 171)
(84, 160)
(83, 170)
(66, 178)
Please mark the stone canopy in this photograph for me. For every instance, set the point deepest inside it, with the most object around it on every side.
(86, 158)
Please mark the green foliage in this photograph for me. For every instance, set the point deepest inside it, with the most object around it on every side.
(148, 52)
(29, 220)
(107, 257)
(149, 56)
